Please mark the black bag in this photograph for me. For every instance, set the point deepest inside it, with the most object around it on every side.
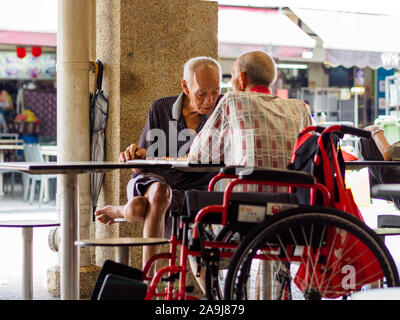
(117, 281)
(121, 288)
(305, 150)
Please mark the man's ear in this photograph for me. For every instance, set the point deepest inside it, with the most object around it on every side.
(184, 86)
(243, 81)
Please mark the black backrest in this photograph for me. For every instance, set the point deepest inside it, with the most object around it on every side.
(196, 200)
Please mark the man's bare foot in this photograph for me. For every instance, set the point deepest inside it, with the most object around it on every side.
(133, 211)
(107, 214)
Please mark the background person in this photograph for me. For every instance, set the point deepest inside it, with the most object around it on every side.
(378, 148)
(6, 105)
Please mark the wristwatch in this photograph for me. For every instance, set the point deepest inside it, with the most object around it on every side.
(375, 131)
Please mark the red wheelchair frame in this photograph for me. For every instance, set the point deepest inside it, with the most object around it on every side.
(292, 179)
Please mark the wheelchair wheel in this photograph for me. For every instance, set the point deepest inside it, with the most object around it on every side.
(214, 278)
(308, 253)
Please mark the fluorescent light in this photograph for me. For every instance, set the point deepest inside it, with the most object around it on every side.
(292, 66)
(226, 85)
(357, 90)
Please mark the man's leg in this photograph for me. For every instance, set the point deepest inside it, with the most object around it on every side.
(133, 211)
(159, 196)
(149, 209)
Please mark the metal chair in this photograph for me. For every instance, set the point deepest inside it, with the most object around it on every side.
(32, 154)
(384, 184)
(9, 136)
(388, 225)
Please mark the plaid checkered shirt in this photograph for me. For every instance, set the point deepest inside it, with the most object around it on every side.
(251, 129)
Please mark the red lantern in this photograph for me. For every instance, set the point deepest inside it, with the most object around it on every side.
(21, 52)
(36, 51)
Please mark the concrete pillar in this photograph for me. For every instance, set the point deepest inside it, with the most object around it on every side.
(316, 76)
(73, 140)
(143, 46)
(73, 69)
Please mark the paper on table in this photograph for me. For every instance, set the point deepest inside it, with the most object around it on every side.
(160, 161)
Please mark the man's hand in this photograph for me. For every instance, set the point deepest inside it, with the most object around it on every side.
(131, 153)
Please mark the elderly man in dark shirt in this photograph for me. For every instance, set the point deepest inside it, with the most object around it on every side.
(173, 122)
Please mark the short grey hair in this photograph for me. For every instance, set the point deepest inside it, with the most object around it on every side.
(191, 64)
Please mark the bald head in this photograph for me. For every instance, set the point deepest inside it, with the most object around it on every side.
(258, 67)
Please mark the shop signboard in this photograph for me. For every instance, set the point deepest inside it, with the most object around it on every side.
(29, 67)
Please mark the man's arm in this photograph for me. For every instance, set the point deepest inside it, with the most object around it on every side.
(151, 122)
(131, 153)
(138, 151)
(380, 141)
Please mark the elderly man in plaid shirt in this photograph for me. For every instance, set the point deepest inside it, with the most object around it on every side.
(250, 127)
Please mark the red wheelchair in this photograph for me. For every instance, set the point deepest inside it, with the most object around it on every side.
(307, 243)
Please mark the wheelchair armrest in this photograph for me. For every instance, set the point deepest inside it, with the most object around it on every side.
(231, 170)
(278, 175)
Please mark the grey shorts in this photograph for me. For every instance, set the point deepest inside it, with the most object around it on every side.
(139, 184)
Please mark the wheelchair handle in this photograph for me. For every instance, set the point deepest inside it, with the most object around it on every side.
(349, 130)
(317, 129)
(356, 132)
